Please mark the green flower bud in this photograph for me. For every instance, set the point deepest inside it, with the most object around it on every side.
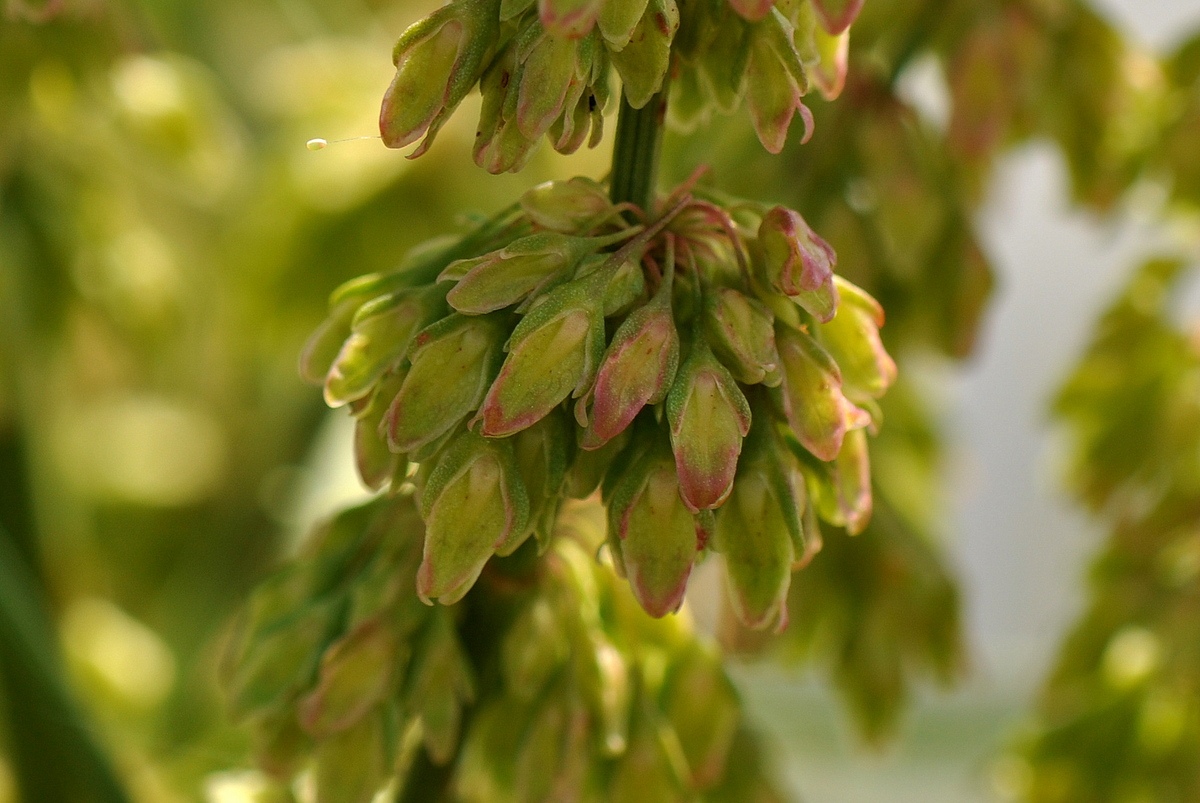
(754, 537)
(724, 58)
(553, 353)
(323, 346)
(643, 62)
(571, 19)
(277, 663)
(566, 206)
(656, 534)
(549, 66)
(709, 417)
(357, 671)
(550, 759)
(377, 464)
(852, 339)
(638, 369)
(775, 82)
(473, 504)
(453, 361)
(797, 262)
(380, 333)
(505, 277)
(618, 19)
(626, 288)
(741, 332)
(837, 15)
(349, 766)
(499, 144)
(440, 684)
(702, 706)
(829, 67)
(280, 745)
(438, 60)
(819, 413)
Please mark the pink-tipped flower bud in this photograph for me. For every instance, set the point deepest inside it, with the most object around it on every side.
(357, 672)
(709, 417)
(553, 353)
(380, 333)
(741, 332)
(438, 60)
(819, 413)
(643, 62)
(452, 363)
(638, 369)
(775, 82)
(566, 206)
(852, 339)
(571, 19)
(752, 10)
(797, 262)
(837, 15)
(473, 502)
(656, 534)
(505, 277)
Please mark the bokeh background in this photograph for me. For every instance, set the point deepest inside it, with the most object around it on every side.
(167, 242)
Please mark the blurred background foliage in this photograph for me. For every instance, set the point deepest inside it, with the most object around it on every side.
(166, 244)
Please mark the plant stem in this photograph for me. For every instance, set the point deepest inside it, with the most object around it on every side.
(635, 151)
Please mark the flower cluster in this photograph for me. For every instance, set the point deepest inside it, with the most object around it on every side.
(544, 68)
(700, 365)
(574, 694)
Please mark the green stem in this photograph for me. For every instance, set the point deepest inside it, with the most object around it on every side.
(636, 149)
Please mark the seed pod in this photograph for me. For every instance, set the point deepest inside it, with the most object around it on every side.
(438, 60)
(380, 334)
(656, 533)
(797, 262)
(852, 339)
(452, 363)
(709, 417)
(741, 332)
(817, 410)
(473, 503)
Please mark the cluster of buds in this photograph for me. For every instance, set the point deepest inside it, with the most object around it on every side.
(575, 694)
(545, 68)
(700, 365)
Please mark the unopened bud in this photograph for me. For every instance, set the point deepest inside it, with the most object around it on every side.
(380, 334)
(452, 363)
(638, 369)
(797, 262)
(357, 671)
(753, 536)
(700, 703)
(643, 62)
(775, 83)
(440, 684)
(709, 417)
(553, 353)
(566, 206)
(349, 766)
(618, 19)
(837, 15)
(655, 531)
(473, 502)
(852, 339)
(818, 411)
(741, 332)
(438, 60)
(569, 18)
(377, 464)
